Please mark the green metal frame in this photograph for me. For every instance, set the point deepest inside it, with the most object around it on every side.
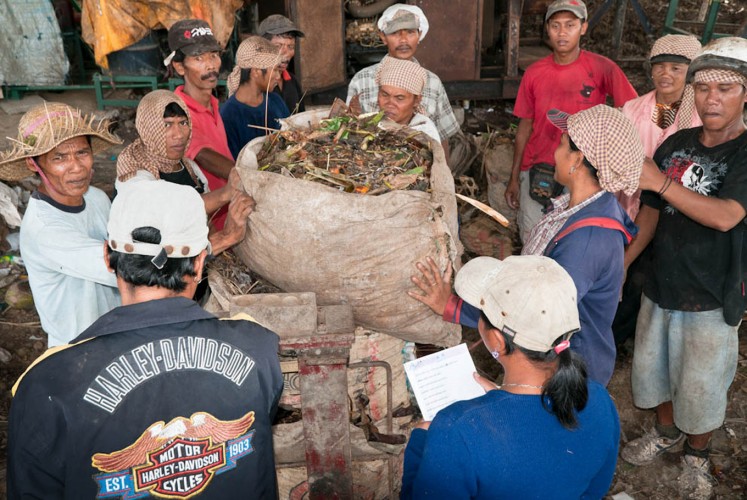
(102, 83)
(708, 25)
(121, 81)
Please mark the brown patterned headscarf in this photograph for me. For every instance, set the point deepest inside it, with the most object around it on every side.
(148, 152)
(254, 52)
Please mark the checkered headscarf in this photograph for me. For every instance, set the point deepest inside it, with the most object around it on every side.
(148, 152)
(684, 46)
(719, 76)
(254, 52)
(403, 74)
(609, 141)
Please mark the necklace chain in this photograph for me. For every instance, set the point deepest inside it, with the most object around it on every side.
(521, 385)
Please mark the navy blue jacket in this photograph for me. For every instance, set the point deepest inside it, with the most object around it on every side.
(593, 256)
(158, 398)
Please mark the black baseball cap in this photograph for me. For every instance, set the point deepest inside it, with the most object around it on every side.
(193, 37)
(278, 25)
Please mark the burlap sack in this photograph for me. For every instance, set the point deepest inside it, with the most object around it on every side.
(350, 248)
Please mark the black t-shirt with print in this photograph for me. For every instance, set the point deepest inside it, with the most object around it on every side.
(697, 268)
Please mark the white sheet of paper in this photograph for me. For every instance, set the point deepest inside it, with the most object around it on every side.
(442, 378)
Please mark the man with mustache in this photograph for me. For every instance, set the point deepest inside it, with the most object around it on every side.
(282, 33)
(195, 57)
(402, 27)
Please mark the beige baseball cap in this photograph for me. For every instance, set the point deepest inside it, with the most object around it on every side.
(528, 297)
(576, 7)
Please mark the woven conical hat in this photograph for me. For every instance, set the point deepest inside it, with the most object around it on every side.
(46, 126)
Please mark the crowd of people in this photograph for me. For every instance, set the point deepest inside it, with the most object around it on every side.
(631, 218)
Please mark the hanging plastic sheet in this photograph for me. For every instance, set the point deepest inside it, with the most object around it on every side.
(31, 50)
(112, 25)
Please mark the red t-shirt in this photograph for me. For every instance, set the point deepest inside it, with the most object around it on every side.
(207, 132)
(574, 87)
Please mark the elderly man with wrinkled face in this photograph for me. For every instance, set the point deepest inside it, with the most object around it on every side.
(402, 27)
(401, 85)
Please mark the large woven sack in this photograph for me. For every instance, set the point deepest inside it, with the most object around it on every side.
(351, 248)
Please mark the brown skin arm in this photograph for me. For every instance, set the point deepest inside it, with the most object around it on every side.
(214, 162)
(526, 125)
(233, 232)
(715, 213)
(646, 221)
(435, 287)
(214, 200)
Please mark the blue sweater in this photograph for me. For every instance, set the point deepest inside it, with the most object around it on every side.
(593, 256)
(504, 445)
(237, 117)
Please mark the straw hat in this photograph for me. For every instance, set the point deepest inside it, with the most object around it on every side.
(43, 128)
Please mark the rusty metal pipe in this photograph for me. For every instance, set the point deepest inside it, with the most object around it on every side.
(389, 419)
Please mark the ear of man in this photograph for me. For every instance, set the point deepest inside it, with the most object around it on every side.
(178, 67)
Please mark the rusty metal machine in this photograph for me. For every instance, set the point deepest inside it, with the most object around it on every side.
(318, 340)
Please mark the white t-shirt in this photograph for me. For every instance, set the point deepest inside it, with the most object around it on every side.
(63, 251)
(422, 123)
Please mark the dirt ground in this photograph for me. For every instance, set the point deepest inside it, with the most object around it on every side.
(21, 336)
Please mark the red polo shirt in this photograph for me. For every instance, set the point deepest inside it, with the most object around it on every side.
(207, 132)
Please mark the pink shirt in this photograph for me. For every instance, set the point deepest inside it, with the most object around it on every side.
(639, 112)
(207, 132)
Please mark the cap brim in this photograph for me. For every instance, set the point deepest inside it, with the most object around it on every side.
(673, 58)
(559, 119)
(201, 48)
(285, 31)
(475, 277)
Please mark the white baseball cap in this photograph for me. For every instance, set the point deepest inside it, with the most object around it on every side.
(177, 211)
(529, 297)
(395, 18)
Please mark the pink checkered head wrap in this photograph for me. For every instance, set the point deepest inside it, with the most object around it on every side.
(673, 47)
(609, 141)
(713, 75)
(402, 74)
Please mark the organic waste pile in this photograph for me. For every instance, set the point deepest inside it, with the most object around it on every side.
(353, 153)
(237, 278)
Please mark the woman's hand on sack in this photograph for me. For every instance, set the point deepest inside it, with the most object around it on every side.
(436, 287)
